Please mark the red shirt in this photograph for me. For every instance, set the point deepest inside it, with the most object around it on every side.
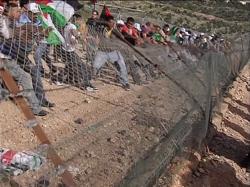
(132, 31)
(45, 2)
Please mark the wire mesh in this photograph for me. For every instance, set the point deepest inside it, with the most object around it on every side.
(103, 134)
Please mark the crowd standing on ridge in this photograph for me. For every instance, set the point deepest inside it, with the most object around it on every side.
(137, 34)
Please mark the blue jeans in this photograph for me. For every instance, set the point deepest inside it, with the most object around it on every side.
(102, 58)
(24, 80)
(36, 71)
(19, 52)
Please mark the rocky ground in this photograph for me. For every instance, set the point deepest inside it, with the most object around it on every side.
(99, 135)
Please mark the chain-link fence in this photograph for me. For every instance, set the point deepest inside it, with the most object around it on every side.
(72, 76)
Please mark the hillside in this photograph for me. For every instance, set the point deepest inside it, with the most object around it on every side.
(204, 16)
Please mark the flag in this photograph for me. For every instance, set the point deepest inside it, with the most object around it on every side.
(75, 4)
(58, 19)
(105, 12)
(47, 7)
(173, 30)
(63, 8)
(54, 37)
(53, 19)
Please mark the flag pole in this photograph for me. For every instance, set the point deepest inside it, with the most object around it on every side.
(94, 3)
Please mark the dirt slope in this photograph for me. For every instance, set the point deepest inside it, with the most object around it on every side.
(221, 166)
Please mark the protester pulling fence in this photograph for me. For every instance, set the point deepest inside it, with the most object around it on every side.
(47, 41)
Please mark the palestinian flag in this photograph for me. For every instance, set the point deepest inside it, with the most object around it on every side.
(105, 13)
(47, 7)
(58, 19)
(64, 8)
(54, 37)
(173, 32)
(75, 4)
(54, 19)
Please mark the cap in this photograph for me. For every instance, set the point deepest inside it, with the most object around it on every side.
(137, 26)
(120, 22)
(168, 29)
(33, 7)
(1, 9)
(183, 30)
(95, 12)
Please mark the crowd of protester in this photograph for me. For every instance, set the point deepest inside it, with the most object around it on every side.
(137, 34)
(31, 21)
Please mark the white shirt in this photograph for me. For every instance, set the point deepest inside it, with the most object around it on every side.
(70, 39)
